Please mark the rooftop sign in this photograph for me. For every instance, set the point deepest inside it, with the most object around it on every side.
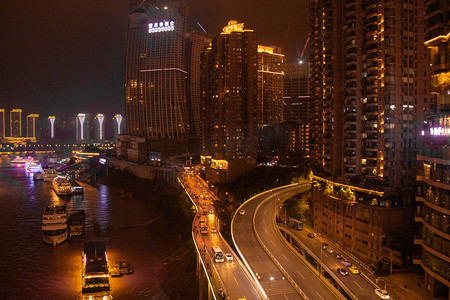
(161, 26)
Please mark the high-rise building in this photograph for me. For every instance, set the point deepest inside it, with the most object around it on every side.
(369, 89)
(82, 127)
(432, 236)
(298, 107)
(2, 124)
(230, 102)
(99, 128)
(270, 85)
(33, 128)
(15, 121)
(117, 125)
(51, 126)
(196, 44)
(155, 75)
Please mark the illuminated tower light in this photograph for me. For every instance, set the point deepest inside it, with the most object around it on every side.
(118, 118)
(81, 118)
(100, 118)
(52, 126)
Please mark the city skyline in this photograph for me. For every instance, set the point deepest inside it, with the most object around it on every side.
(70, 70)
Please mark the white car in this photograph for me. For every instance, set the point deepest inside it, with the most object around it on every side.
(213, 230)
(242, 212)
(229, 256)
(383, 294)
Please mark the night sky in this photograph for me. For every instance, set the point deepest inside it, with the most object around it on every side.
(68, 56)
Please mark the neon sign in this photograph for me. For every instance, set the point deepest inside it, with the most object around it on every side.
(161, 26)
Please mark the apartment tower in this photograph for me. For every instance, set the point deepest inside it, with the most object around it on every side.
(432, 236)
(33, 128)
(369, 89)
(2, 124)
(15, 121)
(230, 101)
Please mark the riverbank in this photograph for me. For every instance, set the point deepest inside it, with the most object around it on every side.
(169, 226)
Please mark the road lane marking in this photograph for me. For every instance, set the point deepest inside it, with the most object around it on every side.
(272, 242)
(301, 275)
(358, 285)
(285, 258)
(236, 280)
(319, 295)
(265, 229)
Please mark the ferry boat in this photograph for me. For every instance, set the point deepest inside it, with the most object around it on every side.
(54, 224)
(94, 271)
(76, 225)
(33, 167)
(62, 186)
(50, 174)
(21, 161)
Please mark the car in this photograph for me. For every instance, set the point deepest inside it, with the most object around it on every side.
(310, 235)
(211, 212)
(345, 262)
(383, 294)
(229, 256)
(353, 269)
(325, 245)
(330, 250)
(213, 230)
(338, 256)
(342, 272)
(242, 212)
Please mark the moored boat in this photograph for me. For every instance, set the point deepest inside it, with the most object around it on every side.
(54, 224)
(62, 186)
(50, 174)
(75, 223)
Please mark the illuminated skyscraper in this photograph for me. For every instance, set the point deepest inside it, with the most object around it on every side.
(99, 127)
(33, 128)
(117, 125)
(230, 99)
(51, 120)
(155, 75)
(15, 121)
(81, 125)
(2, 124)
(370, 92)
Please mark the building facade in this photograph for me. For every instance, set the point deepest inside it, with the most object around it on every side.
(99, 128)
(230, 100)
(82, 127)
(155, 75)
(15, 123)
(33, 126)
(369, 87)
(2, 124)
(432, 236)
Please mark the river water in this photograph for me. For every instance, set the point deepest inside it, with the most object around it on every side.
(31, 269)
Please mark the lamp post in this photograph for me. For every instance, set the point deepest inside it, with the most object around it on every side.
(270, 279)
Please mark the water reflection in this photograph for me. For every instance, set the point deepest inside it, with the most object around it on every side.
(103, 205)
(31, 193)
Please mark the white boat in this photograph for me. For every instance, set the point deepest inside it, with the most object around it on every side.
(54, 224)
(21, 161)
(50, 174)
(62, 186)
(33, 167)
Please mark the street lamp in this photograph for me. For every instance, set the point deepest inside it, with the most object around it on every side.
(270, 279)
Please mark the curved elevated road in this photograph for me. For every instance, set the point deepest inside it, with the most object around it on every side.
(258, 218)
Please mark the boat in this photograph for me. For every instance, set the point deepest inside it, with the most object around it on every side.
(39, 176)
(50, 174)
(54, 224)
(33, 167)
(94, 271)
(62, 186)
(21, 161)
(75, 224)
